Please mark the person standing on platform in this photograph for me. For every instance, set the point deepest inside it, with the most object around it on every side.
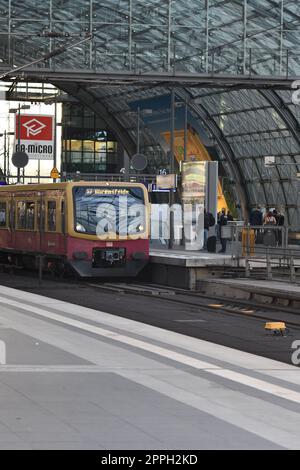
(206, 228)
(270, 219)
(229, 217)
(280, 223)
(256, 220)
(276, 215)
(281, 219)
(209, 221)
(222, 223)
(218, 226)
(256, 217)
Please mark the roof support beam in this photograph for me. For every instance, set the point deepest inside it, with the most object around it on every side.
(166, 79)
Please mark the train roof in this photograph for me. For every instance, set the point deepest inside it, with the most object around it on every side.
(65, 185)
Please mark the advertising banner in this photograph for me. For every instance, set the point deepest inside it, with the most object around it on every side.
(36, 136)
(194, 182)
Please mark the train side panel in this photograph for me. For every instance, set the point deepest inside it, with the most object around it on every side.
(30, 236)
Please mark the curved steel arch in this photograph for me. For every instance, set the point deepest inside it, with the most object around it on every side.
(285, 113)
(291, 123)
(234, 166)
(87, 98)
(95, 102)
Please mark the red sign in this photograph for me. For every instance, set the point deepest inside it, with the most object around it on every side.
(35, 127)
(36, 136)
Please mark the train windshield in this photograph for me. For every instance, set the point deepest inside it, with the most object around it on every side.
(109, 210)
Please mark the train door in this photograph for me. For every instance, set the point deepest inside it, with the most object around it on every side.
(63, 212)
(11, 220)
(4, 221)
(26, 235)
(53, 238)
(41, 221)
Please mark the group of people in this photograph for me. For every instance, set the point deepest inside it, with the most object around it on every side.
(271, 218)
(209, 221)
(257, 219)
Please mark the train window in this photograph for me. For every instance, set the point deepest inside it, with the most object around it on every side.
(51, 219)
(25, 215)
(3, 214)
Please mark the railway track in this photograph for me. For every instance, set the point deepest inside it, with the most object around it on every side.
(202, 302)
(199, 302)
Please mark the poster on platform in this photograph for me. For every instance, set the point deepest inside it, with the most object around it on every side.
(36, 136)
(194, 182)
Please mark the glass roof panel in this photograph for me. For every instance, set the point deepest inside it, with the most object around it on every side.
(257, 37)
(197, 36)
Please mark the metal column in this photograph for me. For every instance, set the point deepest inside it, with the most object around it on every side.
(185, 130)
(245, 15)
(172, 167)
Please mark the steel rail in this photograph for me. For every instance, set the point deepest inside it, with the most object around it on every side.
(162, 293)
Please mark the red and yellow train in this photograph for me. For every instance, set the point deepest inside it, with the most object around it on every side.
(95, 229)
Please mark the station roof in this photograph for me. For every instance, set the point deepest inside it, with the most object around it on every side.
(226, 47)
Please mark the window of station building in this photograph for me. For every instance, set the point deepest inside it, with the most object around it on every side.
(26, 215)
(75, 151)
(75, 145)
(3, 214)
(100, 147)
(87, 144)
(100, 162)
(51, 216)
(112, 147)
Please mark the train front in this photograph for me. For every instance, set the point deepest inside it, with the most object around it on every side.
(108, 229)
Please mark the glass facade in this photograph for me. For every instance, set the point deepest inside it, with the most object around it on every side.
(87, 145)
(236, 37)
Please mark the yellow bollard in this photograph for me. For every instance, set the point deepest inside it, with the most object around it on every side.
(248, 242)
(252, 242)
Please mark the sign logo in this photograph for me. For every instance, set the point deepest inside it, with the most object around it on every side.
(36, 136)
(34, 127)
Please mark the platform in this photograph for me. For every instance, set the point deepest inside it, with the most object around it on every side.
(180, 268)
(283, 293)
(190, 259)
(76, 378)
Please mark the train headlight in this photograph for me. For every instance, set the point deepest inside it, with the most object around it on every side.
(140, 228)
(80, 228)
